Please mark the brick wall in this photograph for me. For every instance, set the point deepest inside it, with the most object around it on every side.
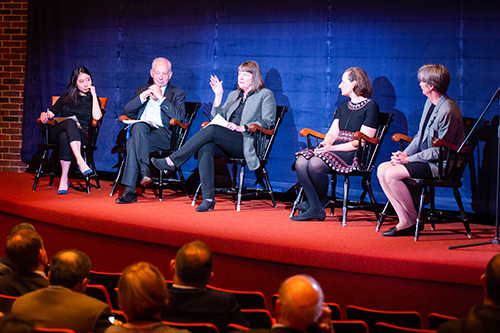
(13, 32)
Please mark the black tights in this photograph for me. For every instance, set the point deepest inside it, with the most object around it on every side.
(313, 177)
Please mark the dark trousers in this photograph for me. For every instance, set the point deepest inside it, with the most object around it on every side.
(64, 133)
(143, 140)
(211, 142)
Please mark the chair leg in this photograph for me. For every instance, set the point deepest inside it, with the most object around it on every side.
(240, 189)
(465, 220)
(420, 213)
(346, 196)
(333, 197)
(269, 187)
(196, 195)
(382, 216)
(369, 190)
(432, 206)
(160, 186)
(39, 170)
(118, 175)
(298, 199)
(183, 181)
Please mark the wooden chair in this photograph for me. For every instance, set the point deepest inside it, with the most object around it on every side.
(87, 149)
(180, 131)
(436, 319)
(6, 303)
(263, 143)
(388, 328)
(367, 154)
(194, 327)
(248, 300)
(409, 319)
(452, 163)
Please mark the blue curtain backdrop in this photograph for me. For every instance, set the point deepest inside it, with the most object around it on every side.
(302, 46)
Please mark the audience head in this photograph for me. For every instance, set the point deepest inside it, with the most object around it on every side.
(192, 265)
(161, 71)
(70, 269)
(21, 226)
(435, 75)
(482, 319)
(253, 68)
(300, 302)
(491, 282)
(16, 324)
(363, 86)
(142, 291)
(25, 251)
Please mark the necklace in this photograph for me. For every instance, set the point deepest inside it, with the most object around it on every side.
(359, 105)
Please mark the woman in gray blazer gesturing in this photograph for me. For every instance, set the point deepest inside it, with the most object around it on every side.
(250, 103)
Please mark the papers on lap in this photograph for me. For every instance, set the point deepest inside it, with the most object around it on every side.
(61, 119)
(130, 122)
(219, 120)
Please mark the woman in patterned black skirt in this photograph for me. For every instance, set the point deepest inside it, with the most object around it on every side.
(337, 152)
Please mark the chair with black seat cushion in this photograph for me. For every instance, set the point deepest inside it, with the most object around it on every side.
(452, 163)
(263, 143)
(367, 153)
(180, 132)
(258, 318)
(87, 149)
(409, 319)
(194, 327)
(388, 328)
(436, 319)
(110, 281)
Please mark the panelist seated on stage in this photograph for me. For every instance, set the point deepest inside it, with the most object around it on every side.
(28, 258)
(155, 104)
(300, 305)
(337, 152)
(142, 294)
(80, 103)
(441, 119)
(190, 301)
(250, 103)
(63, 304)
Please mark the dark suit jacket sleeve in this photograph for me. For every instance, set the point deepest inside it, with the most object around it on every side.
(235, 315)
(102, 320)
(174, 104)
(132, 108)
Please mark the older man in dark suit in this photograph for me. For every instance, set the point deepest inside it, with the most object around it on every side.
(63, 304)
(190, 301)
(28, 258)
(154, 105)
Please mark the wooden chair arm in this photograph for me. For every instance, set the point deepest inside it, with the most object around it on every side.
(398, 137)
(50, 122)
(256, 127)
(95, 122)
(307, 131)
(123, 117)
(447, 144)
(360, 135)
(176, 122)
(204, 124)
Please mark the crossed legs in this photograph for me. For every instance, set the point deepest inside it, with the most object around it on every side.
(391, 180)
(313, 177)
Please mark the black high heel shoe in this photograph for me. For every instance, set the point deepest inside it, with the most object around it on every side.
(206, 205)
(320, 215)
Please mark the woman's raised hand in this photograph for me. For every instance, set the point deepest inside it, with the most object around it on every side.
(92, 90)
(216, 85)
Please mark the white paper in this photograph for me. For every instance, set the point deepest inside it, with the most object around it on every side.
(61, 119)
(130, 122)
(219, 120)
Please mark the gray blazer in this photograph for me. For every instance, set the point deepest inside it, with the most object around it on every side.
(446, 123)
(260, 108)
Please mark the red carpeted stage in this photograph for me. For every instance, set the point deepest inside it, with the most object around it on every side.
(257, 248)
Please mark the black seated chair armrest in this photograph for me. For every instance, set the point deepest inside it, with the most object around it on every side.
(399, 136)
(177, 122)
(307, 131)
(360, 135)
(256, 127)
(446, 144)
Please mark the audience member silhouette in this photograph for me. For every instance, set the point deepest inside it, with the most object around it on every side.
(300, 305)
(5, 267)
(490, 281)
(142, 294)
(16, 324)
(63, 304)
(190, 301)
(482, 319)
(29, 260)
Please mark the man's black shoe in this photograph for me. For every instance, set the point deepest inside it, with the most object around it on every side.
(127, 197)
